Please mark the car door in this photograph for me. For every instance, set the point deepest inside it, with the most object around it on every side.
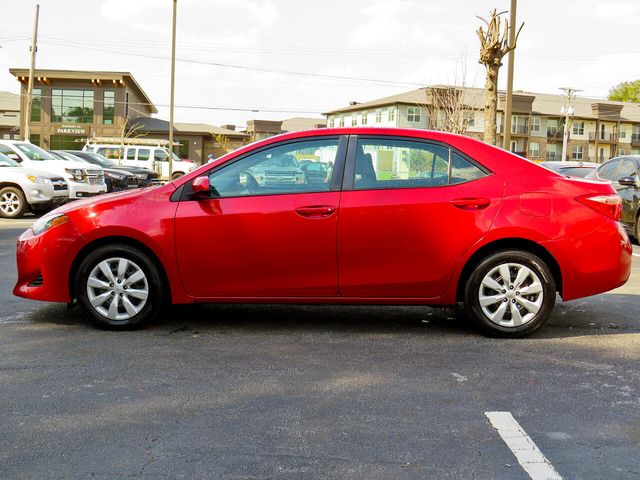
(628, 193)
(409, 211)
(263, 231)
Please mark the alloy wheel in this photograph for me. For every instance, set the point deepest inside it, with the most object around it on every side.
(510, 295)
(117, 288)
(9, 203)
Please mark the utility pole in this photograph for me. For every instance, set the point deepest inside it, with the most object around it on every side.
(29, 99)
(173, 80)
(508, 107)
(567, 110)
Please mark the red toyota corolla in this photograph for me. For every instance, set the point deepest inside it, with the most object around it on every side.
(352, 216)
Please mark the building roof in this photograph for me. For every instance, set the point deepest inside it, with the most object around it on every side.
(474, 98)
(302, 123)
(9, 102)
(125, 77)
(151, 124)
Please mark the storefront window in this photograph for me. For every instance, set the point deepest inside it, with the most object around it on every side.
(109, 105)
(72, 106)
(66, 142)
(36, 105)
(182, 149)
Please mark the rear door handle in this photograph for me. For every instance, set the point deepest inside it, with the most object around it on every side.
(471, 203)
(316, 211)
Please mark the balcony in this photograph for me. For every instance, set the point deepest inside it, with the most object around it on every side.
(635, 139)
(603, 137)
(554, 134)
(516, 130)
(553, 156)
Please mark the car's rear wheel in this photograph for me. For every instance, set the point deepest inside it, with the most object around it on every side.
(119, 288)
(510, 294)
(12, 202)
(176, 175)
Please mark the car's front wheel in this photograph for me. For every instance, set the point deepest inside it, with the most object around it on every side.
(510, 294)
(12, 202)
(119, 288)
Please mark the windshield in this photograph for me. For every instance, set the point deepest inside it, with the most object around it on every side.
(34, 152)
(101, 160)
(68, 156)
(7, 162)
(175, 157)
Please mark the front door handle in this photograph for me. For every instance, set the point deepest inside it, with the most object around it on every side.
(316, 211)
(471, 203)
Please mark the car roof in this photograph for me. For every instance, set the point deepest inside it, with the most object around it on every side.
(571, 164)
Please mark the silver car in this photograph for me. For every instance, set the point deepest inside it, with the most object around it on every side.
(23, 188)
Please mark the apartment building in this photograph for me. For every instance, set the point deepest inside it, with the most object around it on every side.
(598, 129)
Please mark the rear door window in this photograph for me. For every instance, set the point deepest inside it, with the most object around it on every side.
(627, 169)
(143, 154)
(608, 170)
(131, 153)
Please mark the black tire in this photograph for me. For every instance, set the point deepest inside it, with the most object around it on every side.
(510, 323)
(176, 175)
(637, 229)
(40, 210)
(13, 203)
(153, 280)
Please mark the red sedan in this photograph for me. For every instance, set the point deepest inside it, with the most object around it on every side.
(402, 217)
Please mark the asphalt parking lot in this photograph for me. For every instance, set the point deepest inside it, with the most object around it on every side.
(298, 392)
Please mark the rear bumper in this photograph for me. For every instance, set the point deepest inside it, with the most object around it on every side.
(594, 263)
(43, 273)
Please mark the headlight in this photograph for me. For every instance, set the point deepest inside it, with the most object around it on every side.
(45, 223)
(141, 176)
(41, 180)
(76, 173)
(117, 176)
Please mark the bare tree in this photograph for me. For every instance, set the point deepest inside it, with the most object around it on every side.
(129, 131)
(447, 109)
(494, 45)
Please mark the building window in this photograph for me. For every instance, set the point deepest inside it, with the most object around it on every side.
(342, 121)
(36, 105)
(378, 116)
(622, 151)
(392, 114)
(513, 145)
(330, 122)
(126, 105)
(72, 106)
(469, 119)
(623, 132)
(519, 124)
(414, 114)
(578, 128)
(364, 118)
(108, 107)
(535, 124)
(534, 149)
(576, 152)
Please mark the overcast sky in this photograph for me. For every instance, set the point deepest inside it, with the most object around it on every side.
(390, 45)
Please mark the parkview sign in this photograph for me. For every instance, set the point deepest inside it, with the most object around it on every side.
(70, 129)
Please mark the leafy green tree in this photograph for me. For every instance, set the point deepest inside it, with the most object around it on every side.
(626, 92)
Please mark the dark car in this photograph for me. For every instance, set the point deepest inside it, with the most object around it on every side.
(278, 169)
(115, 179)
(314, 172)
(572, 168)
(143, 176)
(624, 173)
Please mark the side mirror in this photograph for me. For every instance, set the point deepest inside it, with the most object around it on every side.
(200, 185)
(627, 181)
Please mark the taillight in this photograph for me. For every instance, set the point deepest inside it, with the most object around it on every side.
(608, 204)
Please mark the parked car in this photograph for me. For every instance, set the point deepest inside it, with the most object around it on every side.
(278, 169)
(116, 180)
(143, 176)
(572, 168)
(152, 157)
(314, 172)
(502, 234)
(624, 173)
(23, 188)
(83, 180)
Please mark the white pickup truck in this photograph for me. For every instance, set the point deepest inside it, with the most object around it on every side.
(84, 180)
(23, 188)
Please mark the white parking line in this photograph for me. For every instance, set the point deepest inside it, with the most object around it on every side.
(636, 254)
(527, 453)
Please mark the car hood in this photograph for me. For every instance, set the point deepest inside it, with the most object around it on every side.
(101, 199)
(60, 166)
(29, 171)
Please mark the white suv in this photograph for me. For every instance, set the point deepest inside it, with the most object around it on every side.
(22, 188)
(155, 158)
(84, 180)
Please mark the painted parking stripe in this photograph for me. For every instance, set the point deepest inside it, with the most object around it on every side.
(528, 454)
(636, 254)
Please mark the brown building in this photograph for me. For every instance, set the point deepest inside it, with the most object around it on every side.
(9, 116)
(196, 140)
(70, 106)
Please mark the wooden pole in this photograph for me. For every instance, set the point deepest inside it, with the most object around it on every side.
(173, 79)
(29, 99)
(509, 104)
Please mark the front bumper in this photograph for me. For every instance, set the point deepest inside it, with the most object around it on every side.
(44, 262)
(40, 194)
(594, 263)
(83, 190)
